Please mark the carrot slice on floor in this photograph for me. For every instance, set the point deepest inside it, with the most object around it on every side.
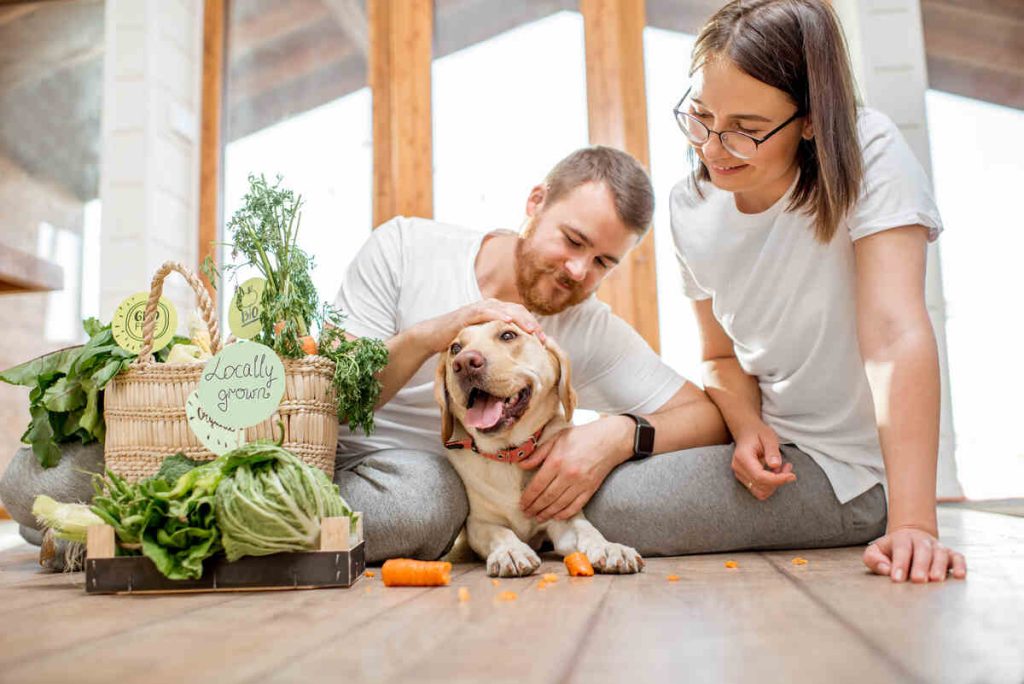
(673, 578)
(731, 564)
(463, 594)
(405, 572)
(508, 596)
(550, 577)
(578, 565)
(370, 573)
(799, 561)
(495, 582)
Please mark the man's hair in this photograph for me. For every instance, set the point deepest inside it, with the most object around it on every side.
(621, 173)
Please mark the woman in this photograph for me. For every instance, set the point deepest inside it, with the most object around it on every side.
(802, 239)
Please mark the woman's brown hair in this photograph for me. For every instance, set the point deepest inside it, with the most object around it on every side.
(798, 47)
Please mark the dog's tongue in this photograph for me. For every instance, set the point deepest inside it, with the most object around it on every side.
(485, 413)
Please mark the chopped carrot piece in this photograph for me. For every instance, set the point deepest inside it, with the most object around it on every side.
(463, 594)
(370, 573)
(495, 581)
(278, 327)
(579, 565)
(731, 564)
(799, 561)
(308, 345)
(550, 577)
(508, 596)
(405, 572)
(673, 578)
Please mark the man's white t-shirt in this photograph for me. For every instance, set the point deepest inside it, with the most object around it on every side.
(788, 301)
(411, 270)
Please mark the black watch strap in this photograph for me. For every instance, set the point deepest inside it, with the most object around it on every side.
(643, 437)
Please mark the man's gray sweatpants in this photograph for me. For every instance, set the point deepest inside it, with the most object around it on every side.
(671, 504)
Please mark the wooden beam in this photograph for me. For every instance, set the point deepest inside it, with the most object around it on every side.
(210, 141)
(617, 107)
(401, 35)
(262, 29)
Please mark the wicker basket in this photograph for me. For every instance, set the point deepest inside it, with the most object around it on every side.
(144, 405)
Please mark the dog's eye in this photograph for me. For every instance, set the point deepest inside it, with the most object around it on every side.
(508, 336)
(455, 348)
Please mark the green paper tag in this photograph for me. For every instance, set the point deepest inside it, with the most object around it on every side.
(128, 319)
(218, 438)
(245, 308)
(242, 385)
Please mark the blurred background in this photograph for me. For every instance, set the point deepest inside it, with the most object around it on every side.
(128, 129)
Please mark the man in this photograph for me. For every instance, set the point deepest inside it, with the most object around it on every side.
(416, 283)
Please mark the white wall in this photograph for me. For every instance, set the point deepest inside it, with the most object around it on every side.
(149, 175)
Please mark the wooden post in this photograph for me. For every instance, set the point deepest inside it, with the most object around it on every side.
(401, 37)
(210, 141)
(617, 108)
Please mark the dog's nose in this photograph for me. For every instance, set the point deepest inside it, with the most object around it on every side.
(469, 361)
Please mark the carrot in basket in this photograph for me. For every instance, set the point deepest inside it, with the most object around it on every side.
(406, 572)
(308, 345)
(578, 565)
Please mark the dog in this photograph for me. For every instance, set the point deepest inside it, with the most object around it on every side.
(508, 393)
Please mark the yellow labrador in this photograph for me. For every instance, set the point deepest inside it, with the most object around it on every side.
(502, 393)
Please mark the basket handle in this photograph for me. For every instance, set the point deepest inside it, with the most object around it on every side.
(202, 298)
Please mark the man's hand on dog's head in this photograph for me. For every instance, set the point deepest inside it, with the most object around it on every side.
(572, 467)
(440, 331)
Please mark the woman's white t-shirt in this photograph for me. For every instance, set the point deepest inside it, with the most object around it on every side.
(787, 301)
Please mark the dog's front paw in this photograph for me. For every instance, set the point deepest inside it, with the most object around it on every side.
(512, 561)
(614, 559)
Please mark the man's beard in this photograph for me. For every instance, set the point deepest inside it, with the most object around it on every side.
(529, 273)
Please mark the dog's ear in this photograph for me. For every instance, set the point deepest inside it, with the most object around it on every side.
(441, 396)
(566, 394)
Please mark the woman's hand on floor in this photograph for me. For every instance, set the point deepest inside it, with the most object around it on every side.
(915, 553)
(757, 462)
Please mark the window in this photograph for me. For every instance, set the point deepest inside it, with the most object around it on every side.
(298, 106)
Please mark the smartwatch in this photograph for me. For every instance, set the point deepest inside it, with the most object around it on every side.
(643, 438)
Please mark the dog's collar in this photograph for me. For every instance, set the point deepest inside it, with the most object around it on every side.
(513, 454)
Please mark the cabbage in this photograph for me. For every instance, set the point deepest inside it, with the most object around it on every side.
(269, 501)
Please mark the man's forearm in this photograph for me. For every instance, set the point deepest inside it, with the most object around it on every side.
(692, 424)
(688, 420)
(407, 352)
(904, 379)
(735, 393)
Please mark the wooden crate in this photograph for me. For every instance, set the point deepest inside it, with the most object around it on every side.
(339, 563)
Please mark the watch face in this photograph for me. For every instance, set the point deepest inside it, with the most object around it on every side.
(645, 439)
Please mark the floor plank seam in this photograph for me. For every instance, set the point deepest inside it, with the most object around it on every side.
(574, 657)
(89, 643)
(333, 638)
(851, 627)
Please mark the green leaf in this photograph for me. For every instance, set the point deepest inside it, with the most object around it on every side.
(101, 377)
(92, 326)
(175, 466)
(40, 436)
(92, 417)
(28, 373)
(63, 396)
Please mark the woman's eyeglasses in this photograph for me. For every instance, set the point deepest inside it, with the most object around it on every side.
(738, 144)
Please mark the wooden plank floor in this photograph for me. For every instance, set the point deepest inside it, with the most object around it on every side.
(766, 621)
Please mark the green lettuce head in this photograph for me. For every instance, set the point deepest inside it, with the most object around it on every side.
(270, 501)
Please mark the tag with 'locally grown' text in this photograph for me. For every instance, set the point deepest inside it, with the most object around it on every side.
(242, 385)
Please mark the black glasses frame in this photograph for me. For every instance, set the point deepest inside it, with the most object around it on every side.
(679, 114)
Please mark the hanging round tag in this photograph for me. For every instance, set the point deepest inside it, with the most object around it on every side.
(242, 385)
(216, 437)
(245, 308)
(128, 320)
